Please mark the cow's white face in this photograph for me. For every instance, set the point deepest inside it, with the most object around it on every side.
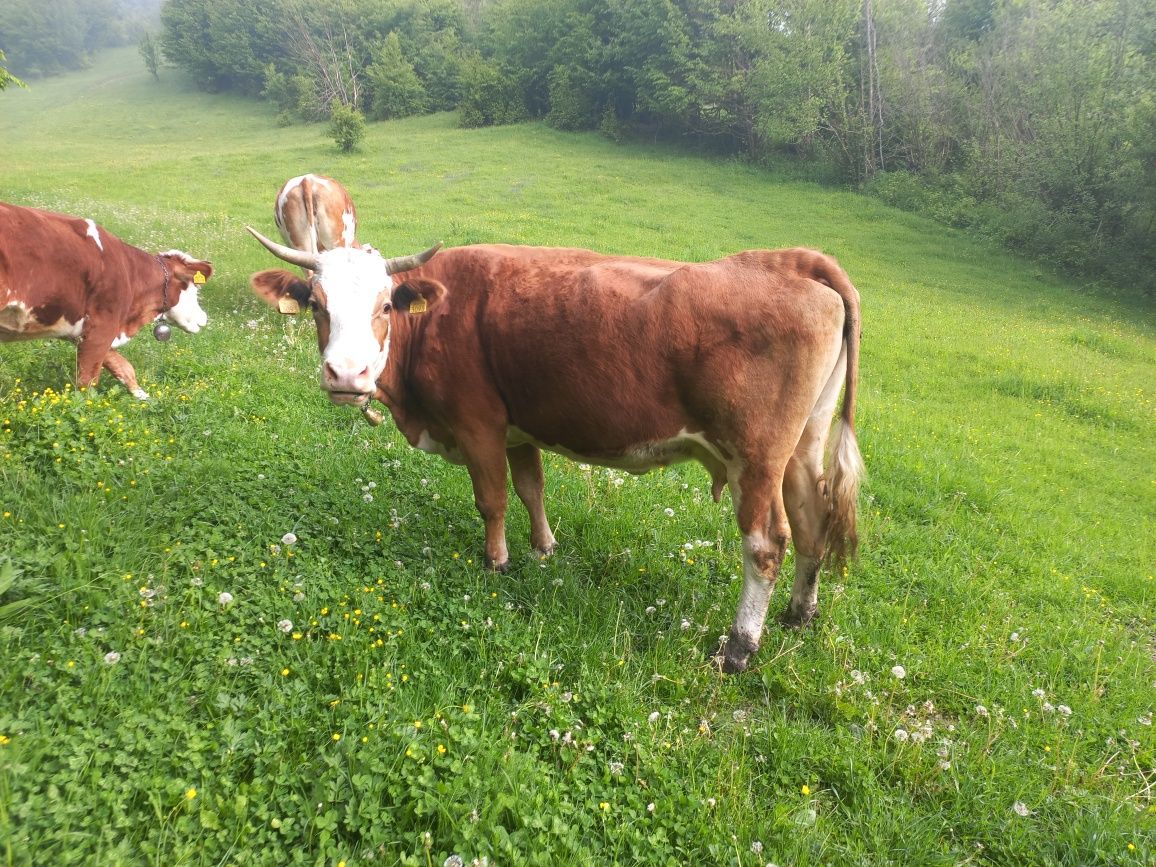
(354, 299)
(351, 305)
(187, 313)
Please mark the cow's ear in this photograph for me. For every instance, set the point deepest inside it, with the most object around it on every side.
(417, 296)
(281, 289)
(192, 270)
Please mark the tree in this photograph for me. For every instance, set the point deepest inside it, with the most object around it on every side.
(151, 54)
(394, 88)
(7, 79)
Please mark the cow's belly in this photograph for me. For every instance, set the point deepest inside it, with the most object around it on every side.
(18, 323)
(683, 446)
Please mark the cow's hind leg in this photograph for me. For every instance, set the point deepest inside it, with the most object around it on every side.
(122, 369)
(530, 484)
(91, 350)
(807, 511)
(762, 519)
(808, 505)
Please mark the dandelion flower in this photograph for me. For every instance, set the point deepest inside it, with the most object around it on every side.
(806, 790)
(336, 736)
(190, 793)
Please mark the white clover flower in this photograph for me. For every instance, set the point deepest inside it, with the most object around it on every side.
(367, 497)
(899, 671)
(650, 609)
(285, 625)
(111, 658)
(224, 598)
(1047, 707)
(685, 625)
(982, 711)
(616, 768)
(554, 734)
(901, 735)
(1064, 709)
(650, 807)
(1146, 719)
(653, 718)
(1021, 809)
(757, 847)
(668, 512)
(289, 539)
(197, 581)
(710, 802)
(1038, 692)
(454, 861)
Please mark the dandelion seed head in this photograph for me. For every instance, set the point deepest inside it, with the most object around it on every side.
(111, 658)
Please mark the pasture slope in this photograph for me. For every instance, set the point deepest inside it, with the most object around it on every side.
(978, 687)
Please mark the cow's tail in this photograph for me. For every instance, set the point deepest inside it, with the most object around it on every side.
(846, 469)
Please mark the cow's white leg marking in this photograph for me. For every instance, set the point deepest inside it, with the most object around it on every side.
(762, 519)
(94, 233)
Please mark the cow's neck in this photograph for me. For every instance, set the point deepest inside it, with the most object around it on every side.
(394, 386)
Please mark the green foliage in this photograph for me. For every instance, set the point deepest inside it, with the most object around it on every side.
(394, 88)
(1006, 558)
(488, 98)
(346, 126)
(572, 103)
(150, 53)
(7, 79)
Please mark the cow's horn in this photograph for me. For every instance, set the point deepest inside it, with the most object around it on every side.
(405, 263)
(308, 261)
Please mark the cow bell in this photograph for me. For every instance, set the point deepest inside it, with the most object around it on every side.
(371, 415)
(162, 332)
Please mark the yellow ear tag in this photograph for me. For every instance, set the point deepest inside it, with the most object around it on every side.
(288, 305)
(418, 305)
(199, 278)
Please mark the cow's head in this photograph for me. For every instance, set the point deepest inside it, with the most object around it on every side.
(354, 298)
(184, 278)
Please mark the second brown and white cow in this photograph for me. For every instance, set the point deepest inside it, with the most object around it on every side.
(487, 354)
(67, 277)
(315, 213)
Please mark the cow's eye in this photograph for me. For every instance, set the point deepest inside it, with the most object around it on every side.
(386, 307)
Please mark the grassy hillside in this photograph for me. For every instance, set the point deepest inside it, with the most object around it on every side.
(417, 707)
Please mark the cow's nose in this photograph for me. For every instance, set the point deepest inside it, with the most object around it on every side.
(347, 376)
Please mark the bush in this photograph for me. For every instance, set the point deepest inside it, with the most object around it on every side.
(347, 126)
(489, 98)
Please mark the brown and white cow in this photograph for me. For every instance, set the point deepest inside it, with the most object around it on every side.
(486, 354)
(66, 277)
(315, 213)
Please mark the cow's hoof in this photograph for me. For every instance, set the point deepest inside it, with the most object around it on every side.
(734, 654)
(792, 619)
(545, 551)
(140, 394)
(502, 567)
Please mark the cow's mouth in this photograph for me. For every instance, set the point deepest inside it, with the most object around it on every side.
(346, 398)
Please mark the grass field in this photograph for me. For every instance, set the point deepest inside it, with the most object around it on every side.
(370, 695)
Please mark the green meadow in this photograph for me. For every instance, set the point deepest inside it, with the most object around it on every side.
(182, 682)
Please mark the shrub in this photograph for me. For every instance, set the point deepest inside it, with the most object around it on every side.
(347, 126)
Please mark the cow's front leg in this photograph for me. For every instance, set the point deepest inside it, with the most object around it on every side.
(486, 461)
(762, 519)
(91, 351)
(122, 369)
(530, 485)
